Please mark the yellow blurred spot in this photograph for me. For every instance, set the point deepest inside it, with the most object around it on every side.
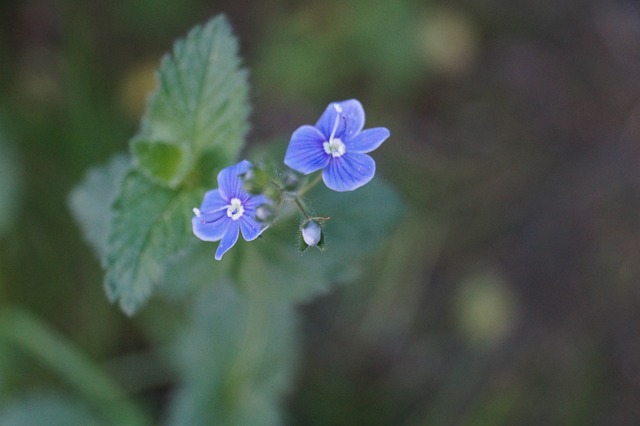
(485, 308)
(136, 86)
(448, 41)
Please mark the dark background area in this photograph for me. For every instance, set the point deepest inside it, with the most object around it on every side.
(509, 295)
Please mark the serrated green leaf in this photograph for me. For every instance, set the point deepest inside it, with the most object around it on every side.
(90, 201)
(199, 106)
(236, 359)
(151, 224)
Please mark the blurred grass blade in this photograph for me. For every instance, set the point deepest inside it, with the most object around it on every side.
(38, 408)
(20, 328)
(10, 183)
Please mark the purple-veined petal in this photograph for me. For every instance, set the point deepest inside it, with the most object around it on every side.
(349, 172)
(229, 181)
(368, 140)
(213, 201)
(327, 120)
(211, 228)
(253, 202)
(250, 228)
(305, 152)
(229, 238)
(350, 123)
(353, 115)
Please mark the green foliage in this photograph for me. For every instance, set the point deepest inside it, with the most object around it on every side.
(9, 183)
(352, 232)
(341, 44)
(150, 224)
(90, 202)
(195, 122)
(199, 106)
(47, 409)
(23, 330)
(239, 349)
(237, 357)
(161, 160)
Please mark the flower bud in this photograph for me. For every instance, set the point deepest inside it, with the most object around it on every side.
(311, 233)
(290, 180)
(264, 213)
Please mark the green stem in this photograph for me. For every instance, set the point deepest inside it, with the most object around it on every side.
(30, 334)
(301, 207)
(307, 187)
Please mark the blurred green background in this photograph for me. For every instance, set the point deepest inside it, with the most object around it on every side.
(511, 292)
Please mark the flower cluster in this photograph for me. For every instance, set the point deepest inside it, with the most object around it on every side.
(337, 146)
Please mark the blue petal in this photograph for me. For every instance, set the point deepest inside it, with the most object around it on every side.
(305, 152)
(210, 231)
(253, 202)
(368, 140)
(349, 172)
(213, 201)
(352, 120)
(229, 238)
(251, 229)
(229, 182)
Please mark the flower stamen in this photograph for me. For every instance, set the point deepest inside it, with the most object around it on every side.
(338, 109)
(235, 209)
(334, 147)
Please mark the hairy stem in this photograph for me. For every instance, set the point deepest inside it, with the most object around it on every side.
(308, 186)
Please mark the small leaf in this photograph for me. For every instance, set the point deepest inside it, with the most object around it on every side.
(200, 106)
(237, 358)
(90, 201)
(151, 225)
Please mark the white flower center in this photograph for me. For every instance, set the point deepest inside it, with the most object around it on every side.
(235, 209)
(335, 146)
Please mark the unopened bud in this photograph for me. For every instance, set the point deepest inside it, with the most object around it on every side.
(311, 233)
(264, 213)
(290, 180)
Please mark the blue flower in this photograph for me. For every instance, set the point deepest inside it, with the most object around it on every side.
(228, 210)
(337, 145)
